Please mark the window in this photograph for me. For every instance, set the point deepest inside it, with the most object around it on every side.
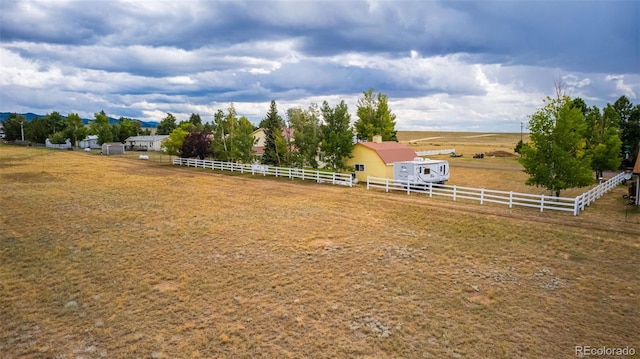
(426, 171)
(359, 167)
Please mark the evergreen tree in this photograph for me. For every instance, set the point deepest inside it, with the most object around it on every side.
(273, 126)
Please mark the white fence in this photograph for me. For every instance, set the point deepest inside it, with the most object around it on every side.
(573, 205)
(435, 152)
(258, 169)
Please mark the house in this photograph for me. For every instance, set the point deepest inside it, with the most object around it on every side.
(260, 137)
(90, 142)
(376, 158)
(144, 143)
(113, 148)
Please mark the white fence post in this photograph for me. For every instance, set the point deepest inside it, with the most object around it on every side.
(541, 203)
(482, 196)
(367, 182)
(454, 193)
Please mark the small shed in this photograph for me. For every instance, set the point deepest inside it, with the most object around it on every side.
(113, 148)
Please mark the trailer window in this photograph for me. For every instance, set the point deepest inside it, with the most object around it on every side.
(359, 167)
(426, 170)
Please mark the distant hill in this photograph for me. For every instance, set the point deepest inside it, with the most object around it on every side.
(30, 116)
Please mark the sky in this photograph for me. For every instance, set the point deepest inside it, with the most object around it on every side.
(481, 66)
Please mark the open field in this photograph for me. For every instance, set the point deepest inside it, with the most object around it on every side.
(113, 257)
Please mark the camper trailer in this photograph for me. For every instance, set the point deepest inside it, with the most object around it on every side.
(421, 170)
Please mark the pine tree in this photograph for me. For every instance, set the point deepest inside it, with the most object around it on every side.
(273, 126)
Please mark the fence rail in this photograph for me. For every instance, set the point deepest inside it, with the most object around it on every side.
(435, 152)
(265, 170)
(543, 202)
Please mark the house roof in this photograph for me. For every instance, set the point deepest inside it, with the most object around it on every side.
(390, 152)
(147, 138)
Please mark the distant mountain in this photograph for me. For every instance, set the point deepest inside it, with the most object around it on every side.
(30, 116)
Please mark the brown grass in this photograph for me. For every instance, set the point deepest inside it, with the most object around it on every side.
(113, 257)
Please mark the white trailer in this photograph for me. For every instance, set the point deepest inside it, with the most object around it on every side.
(421, 170)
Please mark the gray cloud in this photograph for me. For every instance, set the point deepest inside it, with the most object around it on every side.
(442, 63)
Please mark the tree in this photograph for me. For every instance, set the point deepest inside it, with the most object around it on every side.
(629, 125)
(55, 122)
(167, 125)
(197, 143)
(306, 135)
(556, 159)
(172, 145)
(125, 128)
(242, 141)
(375, 118)
(37, 131)
(14, 125)
(233, 139)
(100, 127)
(337, 136)
(603, 139)
(74, 129)
(195, 120)
(273, 137)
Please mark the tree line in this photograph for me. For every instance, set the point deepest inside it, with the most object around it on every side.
(570, 141)
(58, 128)
(298, 140)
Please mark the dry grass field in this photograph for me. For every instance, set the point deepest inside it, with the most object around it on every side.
(113, 257)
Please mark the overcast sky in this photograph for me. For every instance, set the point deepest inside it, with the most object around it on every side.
(445, 65)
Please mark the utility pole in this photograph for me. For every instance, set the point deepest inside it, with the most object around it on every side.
(22, 130)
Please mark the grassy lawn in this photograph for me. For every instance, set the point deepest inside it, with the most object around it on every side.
(115, 257)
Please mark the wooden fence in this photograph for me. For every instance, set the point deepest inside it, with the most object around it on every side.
(265, 170)
(543, 202)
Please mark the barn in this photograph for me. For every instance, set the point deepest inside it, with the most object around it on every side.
(113, 148)
(376, 158)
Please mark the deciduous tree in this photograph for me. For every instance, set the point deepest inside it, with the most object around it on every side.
(603, 139)
(197, 143)
(74, 129)
(14, 125)
(100, 127)
(167, 125)
(375, 118)
(556, 158)
(306, 135)
(337, 136)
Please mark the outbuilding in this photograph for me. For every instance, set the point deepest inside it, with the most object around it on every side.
(144, 143)
(113, 148)
(377, 158)
(635, 183)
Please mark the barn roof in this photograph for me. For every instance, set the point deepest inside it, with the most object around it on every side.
(390, 152)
